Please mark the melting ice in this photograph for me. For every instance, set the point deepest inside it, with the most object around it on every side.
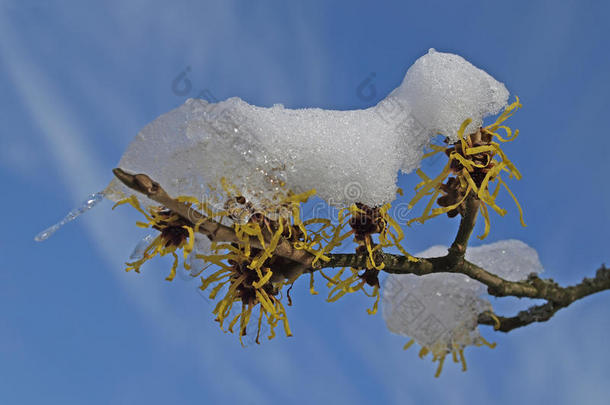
(443, 308)
(347, 156)
(89, 203)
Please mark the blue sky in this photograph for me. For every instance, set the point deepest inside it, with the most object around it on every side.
(79, 80)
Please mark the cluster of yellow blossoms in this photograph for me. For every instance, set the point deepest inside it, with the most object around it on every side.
(473, 160)
(248, 271)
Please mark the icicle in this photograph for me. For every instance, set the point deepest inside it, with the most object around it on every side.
(138, 251)
(89, 203)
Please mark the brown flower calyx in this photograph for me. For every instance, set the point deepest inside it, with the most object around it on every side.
(366, 221)
(280, 266)
(172, 227)
(246, 290)
(452, 193)
(371, 277)
(454, 188)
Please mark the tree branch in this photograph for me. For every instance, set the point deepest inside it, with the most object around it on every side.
(458, 247)
(534, 287)
(544, 312)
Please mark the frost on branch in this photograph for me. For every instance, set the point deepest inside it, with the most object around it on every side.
(440, 311)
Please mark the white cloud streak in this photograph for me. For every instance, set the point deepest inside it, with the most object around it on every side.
(82, 172)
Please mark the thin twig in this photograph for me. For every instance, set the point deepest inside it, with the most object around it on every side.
(544, 312)
(458, 247)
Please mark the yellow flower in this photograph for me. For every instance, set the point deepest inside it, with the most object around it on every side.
(175, 233)
(476, 162)
(440, 351)
(365, 222)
